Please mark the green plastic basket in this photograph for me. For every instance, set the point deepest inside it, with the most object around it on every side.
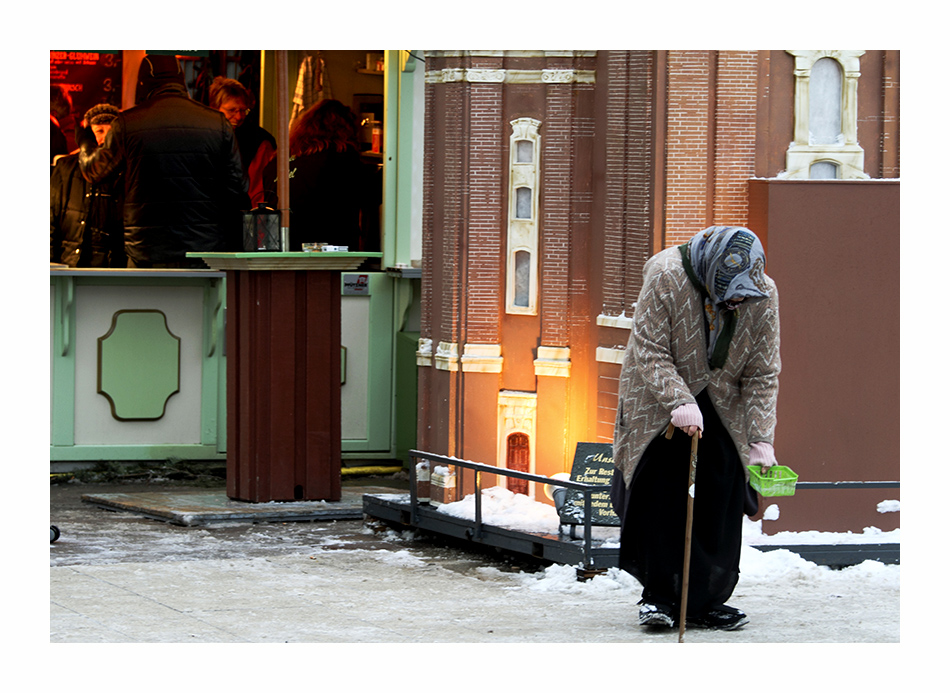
(777, 480)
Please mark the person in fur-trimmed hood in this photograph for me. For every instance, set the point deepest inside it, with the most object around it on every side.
(85, 218)
(703, 355)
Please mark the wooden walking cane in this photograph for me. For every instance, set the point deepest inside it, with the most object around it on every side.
(691, 491)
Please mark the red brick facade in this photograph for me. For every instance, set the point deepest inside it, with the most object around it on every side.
(639, 151)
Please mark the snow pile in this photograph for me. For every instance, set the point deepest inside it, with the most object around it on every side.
(559, 578)
(502, 508)
(756, 569)
(784, 567)
(752, 535)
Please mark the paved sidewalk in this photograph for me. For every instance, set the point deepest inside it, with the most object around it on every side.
(116, 577)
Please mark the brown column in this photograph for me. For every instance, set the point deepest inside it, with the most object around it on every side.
(284, 434)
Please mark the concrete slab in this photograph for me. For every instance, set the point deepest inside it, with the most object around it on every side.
(204, 506)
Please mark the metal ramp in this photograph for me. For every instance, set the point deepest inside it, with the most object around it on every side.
(588, 554)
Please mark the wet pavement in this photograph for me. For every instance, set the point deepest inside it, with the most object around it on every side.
(118, 577)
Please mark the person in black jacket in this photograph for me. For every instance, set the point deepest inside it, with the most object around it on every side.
(85, 220)
(184, 185)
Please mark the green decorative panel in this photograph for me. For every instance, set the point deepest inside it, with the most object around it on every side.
(139, 365)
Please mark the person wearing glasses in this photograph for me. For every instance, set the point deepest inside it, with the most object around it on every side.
(257, 146)
(703, 355)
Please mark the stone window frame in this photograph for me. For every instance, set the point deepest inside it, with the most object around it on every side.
(847, 156)
(523, 231)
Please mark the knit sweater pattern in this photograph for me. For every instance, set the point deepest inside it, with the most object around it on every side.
(665, 365)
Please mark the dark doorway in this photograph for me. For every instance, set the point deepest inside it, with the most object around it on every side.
(519, 460)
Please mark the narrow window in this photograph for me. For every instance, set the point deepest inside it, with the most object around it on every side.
(522, 278)
(524, 152)
(824, 102)
(523, 203)
(823, 170)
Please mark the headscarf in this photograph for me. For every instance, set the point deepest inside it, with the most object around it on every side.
(725, 263)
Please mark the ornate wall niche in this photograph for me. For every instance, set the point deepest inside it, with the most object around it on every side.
(811, 145)
(521, 293)
(517, 414)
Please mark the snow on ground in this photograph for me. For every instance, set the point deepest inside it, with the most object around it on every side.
(502, 508)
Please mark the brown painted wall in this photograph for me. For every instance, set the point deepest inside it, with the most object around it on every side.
(834, 252)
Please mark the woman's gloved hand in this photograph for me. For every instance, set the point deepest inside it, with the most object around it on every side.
(763, 454)
(689, 418)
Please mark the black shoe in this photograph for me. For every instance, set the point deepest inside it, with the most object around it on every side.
(656, 615)
(719, 617)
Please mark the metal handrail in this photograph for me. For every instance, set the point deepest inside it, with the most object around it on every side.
(846, 484)
(479, 468)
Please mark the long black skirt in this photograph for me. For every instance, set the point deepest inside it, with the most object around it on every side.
(653, 512)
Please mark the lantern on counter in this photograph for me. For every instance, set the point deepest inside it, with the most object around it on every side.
(261, 229)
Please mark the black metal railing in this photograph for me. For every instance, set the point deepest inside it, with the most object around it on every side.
(846, 484)
(587, 490)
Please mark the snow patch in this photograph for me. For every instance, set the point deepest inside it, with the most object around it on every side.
(752, 535)
(563, 579)
(889, 506)
(399, 558)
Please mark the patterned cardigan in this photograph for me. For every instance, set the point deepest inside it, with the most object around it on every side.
(665, 365)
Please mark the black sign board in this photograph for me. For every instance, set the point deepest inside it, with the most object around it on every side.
(593, 464)
(90, 77)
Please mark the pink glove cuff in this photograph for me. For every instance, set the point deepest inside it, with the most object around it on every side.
(762, 453)
(687, 415)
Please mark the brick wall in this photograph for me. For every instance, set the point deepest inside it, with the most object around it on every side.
(450, 227)
(688, 143)
(555, 247)
(630, 157)
(428, 212)
(736, 90)
(710, 141)
(484, 256)
(628, 183)
(890, 137)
